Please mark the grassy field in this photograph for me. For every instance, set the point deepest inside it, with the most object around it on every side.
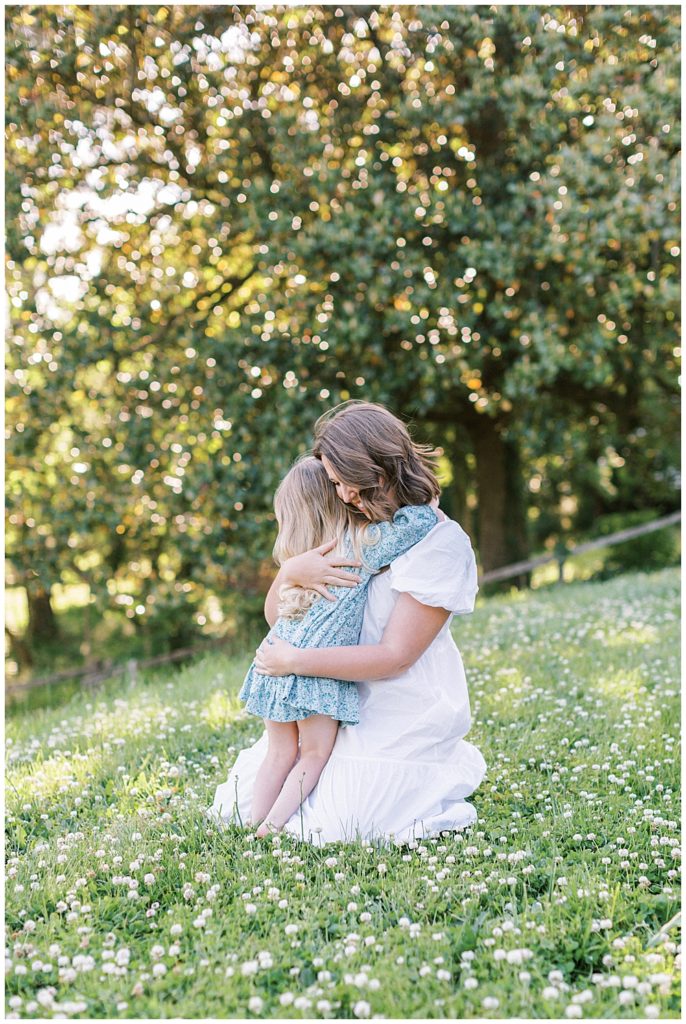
(123, 901)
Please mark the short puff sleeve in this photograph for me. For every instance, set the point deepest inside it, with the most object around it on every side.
(439, 571)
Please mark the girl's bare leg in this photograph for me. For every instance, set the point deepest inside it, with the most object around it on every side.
(278, 761)
(317, 737)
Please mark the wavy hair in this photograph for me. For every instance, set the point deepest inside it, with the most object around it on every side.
(308, 513)
(372, 450)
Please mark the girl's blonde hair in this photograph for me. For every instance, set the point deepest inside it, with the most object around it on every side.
(371, 449)
(309, 513)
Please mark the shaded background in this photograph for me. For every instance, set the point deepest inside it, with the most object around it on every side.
(224, 220)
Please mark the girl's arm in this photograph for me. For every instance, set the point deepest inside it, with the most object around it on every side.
(410, 524)
(411, 629)
(313, 570)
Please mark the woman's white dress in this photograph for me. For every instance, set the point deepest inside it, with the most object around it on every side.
(406, 770)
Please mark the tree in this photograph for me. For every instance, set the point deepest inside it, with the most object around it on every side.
(223, 220)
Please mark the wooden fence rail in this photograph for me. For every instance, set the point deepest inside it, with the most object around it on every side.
(93, 675)
(562, 554)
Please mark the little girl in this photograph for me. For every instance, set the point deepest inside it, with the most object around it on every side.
(302, 713)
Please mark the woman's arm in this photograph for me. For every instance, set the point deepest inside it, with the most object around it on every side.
(313, 570)
(411, 629)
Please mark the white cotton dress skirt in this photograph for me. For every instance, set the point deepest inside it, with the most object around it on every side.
(405, 771)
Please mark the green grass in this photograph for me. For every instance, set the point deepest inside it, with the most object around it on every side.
(549, 907)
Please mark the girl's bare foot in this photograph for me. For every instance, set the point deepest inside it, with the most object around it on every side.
(266, 828)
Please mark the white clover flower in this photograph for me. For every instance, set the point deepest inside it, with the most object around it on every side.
(362, 1008)
(255, 1004)
(471, 983)
(250, 908)
(573, 1011)
(250, 967)
(286, 998)
(158, 970)
(583, 997)
(176, 929)
(291, 929)
(490, 1003)
(518, 956)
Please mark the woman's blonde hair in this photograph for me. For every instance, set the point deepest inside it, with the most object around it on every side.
(309, 513)
(371, 449)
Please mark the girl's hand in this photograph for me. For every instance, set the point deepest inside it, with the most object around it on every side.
(275, 657)
(315, 569)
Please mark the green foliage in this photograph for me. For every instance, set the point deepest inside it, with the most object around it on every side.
(640, 554)
(223, 220)
(556, 898)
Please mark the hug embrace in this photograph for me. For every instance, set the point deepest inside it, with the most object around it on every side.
(359, 682)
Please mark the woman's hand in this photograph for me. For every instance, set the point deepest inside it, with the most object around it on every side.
(275, 657)
(316, 569)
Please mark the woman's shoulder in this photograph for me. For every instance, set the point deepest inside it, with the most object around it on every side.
(446, 536)
(439, 570)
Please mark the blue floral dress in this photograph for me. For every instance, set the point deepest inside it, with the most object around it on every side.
(333, 624)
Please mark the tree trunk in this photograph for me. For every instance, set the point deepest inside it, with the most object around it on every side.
(454, 496)
(19, 650)
(501, 512)
(42, 622)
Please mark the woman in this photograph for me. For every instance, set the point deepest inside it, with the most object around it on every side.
(406, 770)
